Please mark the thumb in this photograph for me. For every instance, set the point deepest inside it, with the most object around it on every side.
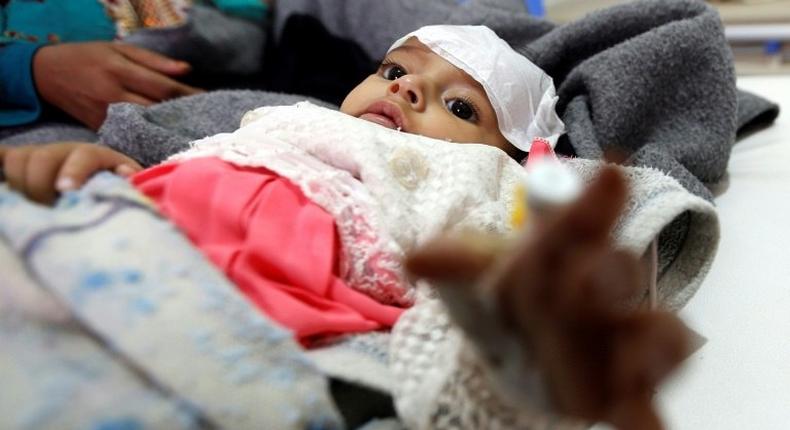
(636, 414)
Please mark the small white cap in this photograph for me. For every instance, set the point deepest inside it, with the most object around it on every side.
(521, 93)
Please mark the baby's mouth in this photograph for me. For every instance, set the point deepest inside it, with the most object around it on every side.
(386, 114)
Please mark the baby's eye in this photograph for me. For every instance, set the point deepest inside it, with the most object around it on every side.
(462, 109)
(392, 71)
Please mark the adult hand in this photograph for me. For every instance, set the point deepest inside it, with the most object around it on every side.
(41, 171)
(82, 79)
(561, 291)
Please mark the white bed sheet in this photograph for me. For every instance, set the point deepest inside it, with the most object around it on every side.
(740, 378)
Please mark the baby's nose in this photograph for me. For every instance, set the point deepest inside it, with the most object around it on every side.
(407, 88)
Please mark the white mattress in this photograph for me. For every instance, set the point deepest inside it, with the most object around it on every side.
(740, 378)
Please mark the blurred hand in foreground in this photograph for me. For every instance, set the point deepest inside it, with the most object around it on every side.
(560, 290)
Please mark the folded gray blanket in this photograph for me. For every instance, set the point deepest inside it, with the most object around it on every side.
(651, 78)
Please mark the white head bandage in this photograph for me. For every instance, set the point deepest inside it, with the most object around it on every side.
(521, 94)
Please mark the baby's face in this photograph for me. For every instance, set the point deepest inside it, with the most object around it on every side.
(419, 92)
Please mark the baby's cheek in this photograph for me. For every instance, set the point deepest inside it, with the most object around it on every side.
(363, 94)
(347, 107)
(452, 130)
(468, 133)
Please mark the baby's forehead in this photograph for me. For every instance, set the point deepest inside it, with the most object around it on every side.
(415, 49)
(413, 43)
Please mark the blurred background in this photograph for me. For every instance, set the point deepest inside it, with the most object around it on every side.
(758, 30)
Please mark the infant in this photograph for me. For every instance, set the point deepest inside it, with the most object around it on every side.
(430, 185)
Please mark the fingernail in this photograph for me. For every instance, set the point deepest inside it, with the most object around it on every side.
(124, 170)
(65, 184)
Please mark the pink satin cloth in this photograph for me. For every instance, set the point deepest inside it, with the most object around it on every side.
(277, 246)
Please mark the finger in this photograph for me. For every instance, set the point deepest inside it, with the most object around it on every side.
(604, 283)
(15, 166)
(44, 164)
(453, 258)
(129, 97)
(84, 162)
(127, 170)
(636, 414)
(153, 60)
(653, 346)
(592, 216)
(619, 279)
(571, 371)
(153, 85)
